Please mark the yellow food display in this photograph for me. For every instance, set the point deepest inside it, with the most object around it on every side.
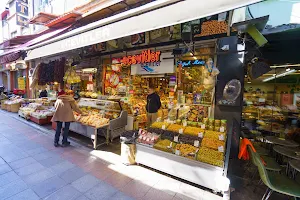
(93, 120)
(212, 143)
(159, 124)
(165, 145)
(214, 135)
(187, 150)
(193, 131)
(175, 128)
(210, 156)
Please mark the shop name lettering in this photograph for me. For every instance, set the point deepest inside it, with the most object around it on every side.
(191, 63)
(144, 58)
(87, 38)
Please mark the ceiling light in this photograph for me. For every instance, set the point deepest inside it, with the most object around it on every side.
(288, 69)
(195, 57)
(249, 82)
(279, 75)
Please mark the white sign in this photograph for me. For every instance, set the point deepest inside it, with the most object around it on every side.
(165, 66)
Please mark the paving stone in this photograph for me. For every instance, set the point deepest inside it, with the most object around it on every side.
(49, 162)
(8, 178)
(101, 191)
(82, 198)
(66, 193)
(72, 175)
(44, 155)
(5, 168)
(62, 167)
(48, 186)
(22, 163)
(36, 151)
(13, 156)
(120, 196)
(12, 188)
(25, 195)
(85, 183)
(29, 169)
(38, 177)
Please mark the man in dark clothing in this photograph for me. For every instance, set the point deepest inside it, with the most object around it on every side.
(152, 107)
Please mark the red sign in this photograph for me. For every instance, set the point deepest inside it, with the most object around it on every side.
(145, 57)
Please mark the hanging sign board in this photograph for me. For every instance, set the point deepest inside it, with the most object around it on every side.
(191, 63)
(21, 9)
(162, 66)
(145, 57)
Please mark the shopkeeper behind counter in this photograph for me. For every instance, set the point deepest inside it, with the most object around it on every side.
(152, 107)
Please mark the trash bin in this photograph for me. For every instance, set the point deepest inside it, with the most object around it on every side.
(128, 147)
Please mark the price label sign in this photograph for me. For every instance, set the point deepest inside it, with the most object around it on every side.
(184, 123)
(203, 126)
(177, 152)
(180, 131)
(221, 137)
(175, 138)
(222, 129)
(221, 149)
(196, 143)
(163, 127)
(200, 135)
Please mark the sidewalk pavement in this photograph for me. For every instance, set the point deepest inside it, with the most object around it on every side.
(31, 168)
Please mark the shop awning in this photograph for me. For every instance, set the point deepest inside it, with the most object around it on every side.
(14, 54)
(141, 19)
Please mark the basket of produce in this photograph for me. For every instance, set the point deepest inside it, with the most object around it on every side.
(210, 156)
(165, 145)
(162, 125)
(189, 139)
(176, 128)
(186, 150)
(213, 144)
(194, 131)
(15, 107)
(215, 135)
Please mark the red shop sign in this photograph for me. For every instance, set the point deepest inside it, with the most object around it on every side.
(145, 57)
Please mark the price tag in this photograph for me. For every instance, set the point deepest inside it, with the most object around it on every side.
(200, 135)
(196, 143)
(221, 149)
(222, 129)
(221, 137)
(177, 152)
(169, 147)
(184, 123)
(175, 138)
(163, 127)
(180, 131)
(92, 137)
(203, 126)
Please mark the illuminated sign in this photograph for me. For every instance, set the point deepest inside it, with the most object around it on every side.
(22, 13)
(145, 57)
(21, 21)
(190, 63)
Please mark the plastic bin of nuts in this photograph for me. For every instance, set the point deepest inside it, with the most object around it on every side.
(213, 144)
(210, 156)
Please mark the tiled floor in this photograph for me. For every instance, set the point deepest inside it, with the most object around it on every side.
(31, 168)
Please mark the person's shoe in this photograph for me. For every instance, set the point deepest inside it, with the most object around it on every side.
(56, 144)
(65, 144)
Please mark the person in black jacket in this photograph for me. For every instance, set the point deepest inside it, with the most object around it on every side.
(152, 107)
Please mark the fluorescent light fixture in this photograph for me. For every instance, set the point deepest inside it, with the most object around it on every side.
(279, 75)
(249, 82)
(195, 57)
(288, 69)
(284, 66)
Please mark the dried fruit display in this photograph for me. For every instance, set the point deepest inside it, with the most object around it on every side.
(165, 145)
(187, 150)
(193, 131)
(160, 125)
(214, 135)
(94, 120)
(175, 128)
(212, 143)
(189, 139)
(155, 130)
(169, 135)
(210, 156)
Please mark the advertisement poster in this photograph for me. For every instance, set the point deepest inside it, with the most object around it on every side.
(286, 99)
(297, 100)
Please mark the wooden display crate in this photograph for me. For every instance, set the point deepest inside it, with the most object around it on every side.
(39, 121)
(3, 106)
(15, 107)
